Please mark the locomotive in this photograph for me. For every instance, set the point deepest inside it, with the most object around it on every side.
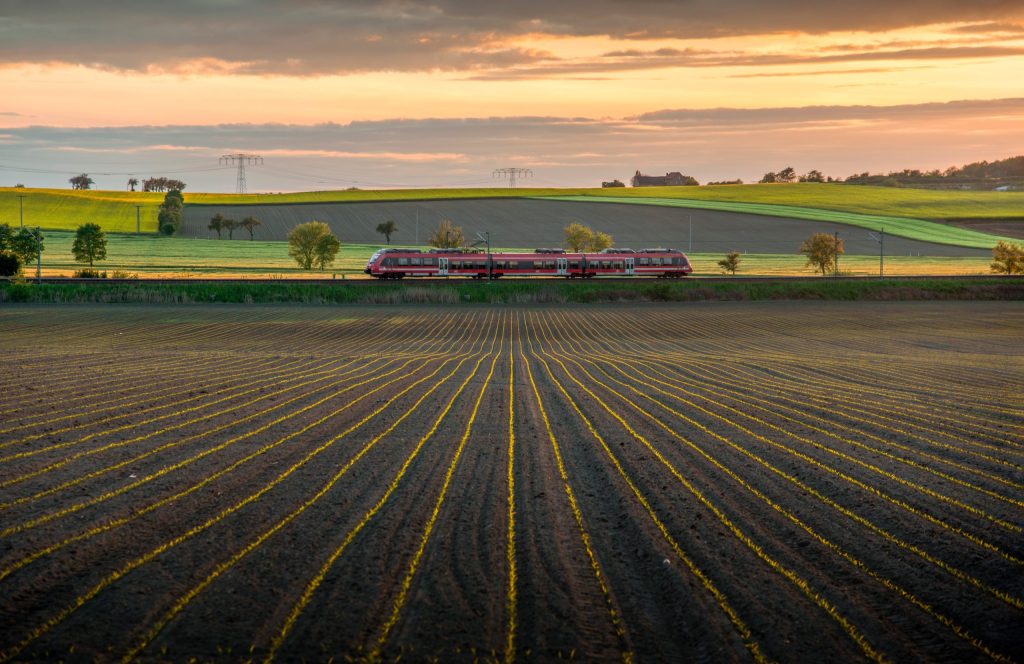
(401, 263)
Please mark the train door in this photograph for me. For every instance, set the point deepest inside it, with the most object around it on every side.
(562, 265)
(442, 267)
(629, 267)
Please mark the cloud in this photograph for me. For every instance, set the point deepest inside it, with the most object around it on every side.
(711, 144)
(633, 59)
(317, 37)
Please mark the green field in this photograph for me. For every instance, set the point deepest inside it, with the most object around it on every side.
(116, 211)
(913, 229)
(158, 256)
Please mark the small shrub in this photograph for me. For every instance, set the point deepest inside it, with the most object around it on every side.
(88, 273)
(124, 274)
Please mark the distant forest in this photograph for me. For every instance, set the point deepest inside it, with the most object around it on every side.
(1005, 173)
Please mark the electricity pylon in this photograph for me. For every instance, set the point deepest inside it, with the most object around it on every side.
(511, 174)
(241, 159)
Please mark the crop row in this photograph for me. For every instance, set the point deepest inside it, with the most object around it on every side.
(629, 483)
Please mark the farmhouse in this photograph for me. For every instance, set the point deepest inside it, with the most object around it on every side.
(673, 179)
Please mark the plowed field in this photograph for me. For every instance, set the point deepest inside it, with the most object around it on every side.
(768, 482)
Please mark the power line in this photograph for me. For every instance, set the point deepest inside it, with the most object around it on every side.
(241, 159)
(511, 174)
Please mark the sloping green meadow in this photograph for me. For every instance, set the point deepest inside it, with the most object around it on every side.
(914, 229)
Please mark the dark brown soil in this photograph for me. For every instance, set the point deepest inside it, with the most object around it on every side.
(714, 482)
(1011, 227)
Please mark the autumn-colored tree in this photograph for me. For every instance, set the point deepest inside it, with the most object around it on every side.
(730, 263)
(822, 250)
(577, 237)
(1008, 258)
(447, 236)
(600, 241)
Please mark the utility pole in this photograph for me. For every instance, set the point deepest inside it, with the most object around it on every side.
(138, 214)
(511, 174)
(880, 239)
(21, 209)
(689, 244)
(485, 238)
(39, 256)
(837, 254)
(241, 159)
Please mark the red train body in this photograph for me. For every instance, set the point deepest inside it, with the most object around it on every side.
(400, 263)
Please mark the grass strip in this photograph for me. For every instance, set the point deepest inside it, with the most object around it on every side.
(540, 292)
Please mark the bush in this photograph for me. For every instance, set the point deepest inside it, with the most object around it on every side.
(88, 273)
(10, 264)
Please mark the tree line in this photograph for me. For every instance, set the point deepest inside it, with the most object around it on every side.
(83, 181)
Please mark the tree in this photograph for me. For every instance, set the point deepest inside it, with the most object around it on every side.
(250, 223)
(308, 245)
(386, 229)
(1008, 258)
(821, 250)
(26, 245)
(326, 249)
(600, 241)
(6, 237)
(577, 237)
(787, 174)
(230, 225)
(447, 236)
(730, 263)
(812, 176)
(216, 224)
(10, 263)
(768, 178)
(132, 183)
(82, 181)
(90, 244)
(170, 212)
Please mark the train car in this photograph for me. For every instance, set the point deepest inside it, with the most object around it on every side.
(401, 263)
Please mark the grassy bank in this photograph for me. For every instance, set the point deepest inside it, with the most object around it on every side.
(516, 293)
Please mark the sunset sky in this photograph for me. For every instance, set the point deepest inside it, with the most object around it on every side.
(388, 94)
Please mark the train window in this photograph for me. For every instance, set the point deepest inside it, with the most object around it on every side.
(606, 265)
(643, 261)
(403, 261)
(618, 265)
(414, 261)
(538, 265)
(574, 265)
(389, 261)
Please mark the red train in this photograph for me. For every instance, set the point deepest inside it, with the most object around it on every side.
(400, 263)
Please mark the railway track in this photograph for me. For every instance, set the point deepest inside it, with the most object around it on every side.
(360, 282)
